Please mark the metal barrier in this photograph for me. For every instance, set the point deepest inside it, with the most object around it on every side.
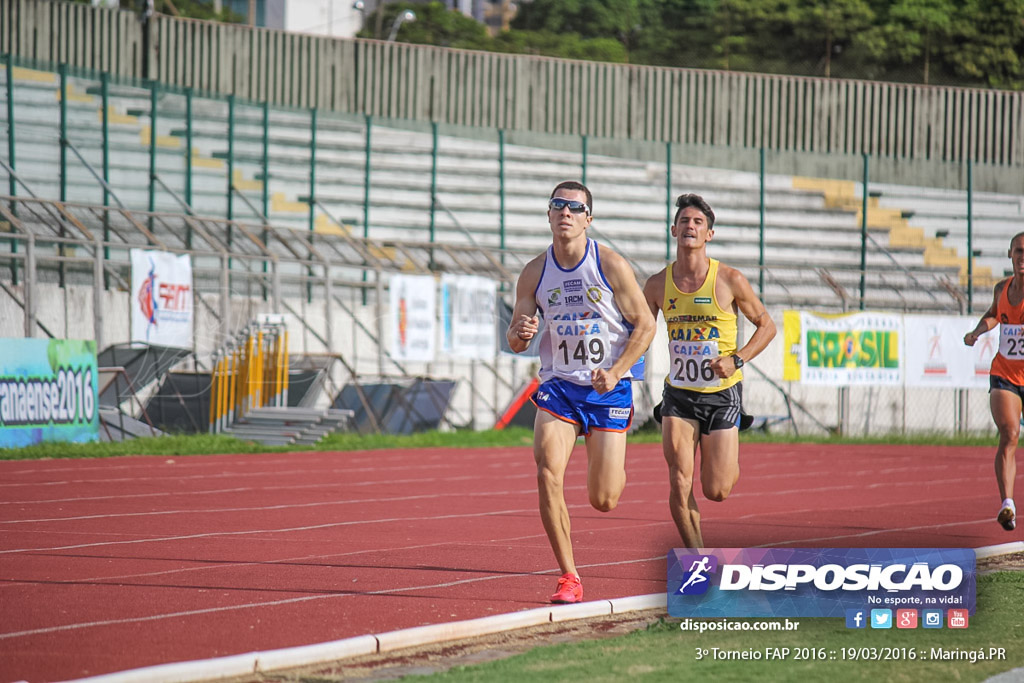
(250, 371)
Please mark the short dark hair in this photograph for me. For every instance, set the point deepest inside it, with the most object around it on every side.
(578, 187)
(1015, 238)
(685, 201)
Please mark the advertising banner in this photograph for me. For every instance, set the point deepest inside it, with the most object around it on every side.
(469, 316)
(843, 350)
(47, 391)
(161, 300)
(413, 317)
(818, 582)
(936, 355)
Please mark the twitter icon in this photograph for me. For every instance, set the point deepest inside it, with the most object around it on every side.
(881, 618)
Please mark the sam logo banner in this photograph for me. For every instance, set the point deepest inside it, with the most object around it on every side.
(817, 582)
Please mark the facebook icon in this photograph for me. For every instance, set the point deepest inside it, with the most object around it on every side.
(856, 618)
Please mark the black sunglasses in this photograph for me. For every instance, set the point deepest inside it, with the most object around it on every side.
(559, 203)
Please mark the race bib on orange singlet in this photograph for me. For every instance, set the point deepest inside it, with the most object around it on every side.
(1011, 341)
(691, 364)
(580, 345)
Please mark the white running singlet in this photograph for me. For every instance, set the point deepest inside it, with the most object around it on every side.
(584, 329)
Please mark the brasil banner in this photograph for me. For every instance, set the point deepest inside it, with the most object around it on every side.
(843, 350)
(48, 391)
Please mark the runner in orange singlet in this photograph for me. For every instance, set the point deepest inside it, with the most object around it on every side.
(1006, 379)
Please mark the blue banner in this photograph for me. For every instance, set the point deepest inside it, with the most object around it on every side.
(48, 391)
(817, 582)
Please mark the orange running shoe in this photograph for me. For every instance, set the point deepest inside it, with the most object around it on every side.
(570, 590)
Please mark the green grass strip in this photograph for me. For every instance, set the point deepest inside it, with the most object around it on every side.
(820, 650)
(206, 444)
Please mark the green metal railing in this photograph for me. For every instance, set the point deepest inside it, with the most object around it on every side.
(306, 148)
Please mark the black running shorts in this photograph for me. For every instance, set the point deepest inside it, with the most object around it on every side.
(718, 410)
(997, 382)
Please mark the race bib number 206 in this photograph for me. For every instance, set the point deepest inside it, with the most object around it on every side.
(691, 364)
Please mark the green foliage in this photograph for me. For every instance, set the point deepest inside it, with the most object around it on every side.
(205, 444)
(435, 24)
(965, 42)
(989, 41)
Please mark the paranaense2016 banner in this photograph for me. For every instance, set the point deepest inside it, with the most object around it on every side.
(48, 391)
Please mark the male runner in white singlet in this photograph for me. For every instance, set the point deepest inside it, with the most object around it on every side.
(597, 326)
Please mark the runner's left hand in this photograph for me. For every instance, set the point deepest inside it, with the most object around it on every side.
(603, 381)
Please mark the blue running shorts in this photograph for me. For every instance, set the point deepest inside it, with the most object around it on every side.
(582, 405)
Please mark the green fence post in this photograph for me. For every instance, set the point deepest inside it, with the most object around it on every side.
(13, 184)
(668, 201)
(62, 70)
(265, 184)
(501, 193)
(265, 164)
(760, 257)
(231, 171)
(154, 89)
(366, 184)
(433, 183)
(312, 197)
(864, 231)
(188, 163)
(583, 146)
(105, 93)
(366, 193)
(970, 235)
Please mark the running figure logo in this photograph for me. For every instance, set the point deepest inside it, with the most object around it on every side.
(697, 580)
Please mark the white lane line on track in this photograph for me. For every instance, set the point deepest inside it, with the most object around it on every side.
(249, 532)
(739, 494)
(803, 491)
(634, 470)
(308, 598)
(289, 506)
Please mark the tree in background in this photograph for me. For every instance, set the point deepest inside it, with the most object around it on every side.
(917, 26)
(829, 27)
(988, 42)
(435, 25)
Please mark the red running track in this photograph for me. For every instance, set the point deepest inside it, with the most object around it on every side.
(121, 563)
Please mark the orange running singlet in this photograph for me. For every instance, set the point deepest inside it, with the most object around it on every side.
(1009, 362)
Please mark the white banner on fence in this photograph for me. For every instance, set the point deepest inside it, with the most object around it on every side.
(468, 316)
(413, 317)
(856, 349)
(936, 355)
(161, 299)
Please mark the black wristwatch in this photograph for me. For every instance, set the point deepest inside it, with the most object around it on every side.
(738, 361)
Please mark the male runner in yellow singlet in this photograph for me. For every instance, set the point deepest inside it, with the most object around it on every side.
(1006, 378)
(702, 403)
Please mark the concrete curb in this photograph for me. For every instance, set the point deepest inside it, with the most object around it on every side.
(307, 655)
